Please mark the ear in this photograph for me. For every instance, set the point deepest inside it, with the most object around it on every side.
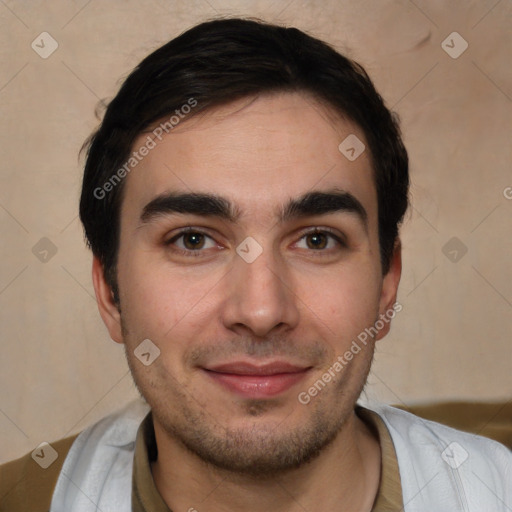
(390, 289)
(106, 304)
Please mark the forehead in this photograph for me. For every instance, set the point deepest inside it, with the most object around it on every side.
(257, 152)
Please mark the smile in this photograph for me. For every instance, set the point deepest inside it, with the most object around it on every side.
(257, 382)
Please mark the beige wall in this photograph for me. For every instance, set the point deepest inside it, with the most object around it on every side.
(59, 371)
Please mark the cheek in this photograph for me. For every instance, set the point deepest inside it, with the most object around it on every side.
(348, 298)
(157, 301)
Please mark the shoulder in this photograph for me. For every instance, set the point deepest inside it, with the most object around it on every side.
(26, 485)
(467, 460)
(403, 421)
(415, 429)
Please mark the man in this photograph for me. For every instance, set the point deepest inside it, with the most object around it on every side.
(242, 199)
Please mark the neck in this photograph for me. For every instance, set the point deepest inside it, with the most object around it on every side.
(344, 477)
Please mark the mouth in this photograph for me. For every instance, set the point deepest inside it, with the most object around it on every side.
(257, 381)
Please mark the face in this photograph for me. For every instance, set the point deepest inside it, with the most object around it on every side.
(251, 294)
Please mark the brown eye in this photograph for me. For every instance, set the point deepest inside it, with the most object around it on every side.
(193, 240)
(320, 241)
(317, 240)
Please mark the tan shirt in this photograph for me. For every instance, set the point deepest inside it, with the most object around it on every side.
(26, 487)
(146, 498)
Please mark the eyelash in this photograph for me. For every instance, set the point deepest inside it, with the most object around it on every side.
(187, 231)
(197, 253)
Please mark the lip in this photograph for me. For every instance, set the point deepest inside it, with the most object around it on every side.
(257, 381)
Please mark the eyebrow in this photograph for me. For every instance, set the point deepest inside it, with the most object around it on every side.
(212, 205)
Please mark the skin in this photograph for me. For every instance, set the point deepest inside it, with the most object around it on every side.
(219, 451)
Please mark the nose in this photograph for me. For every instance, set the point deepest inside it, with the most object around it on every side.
(260, 297)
